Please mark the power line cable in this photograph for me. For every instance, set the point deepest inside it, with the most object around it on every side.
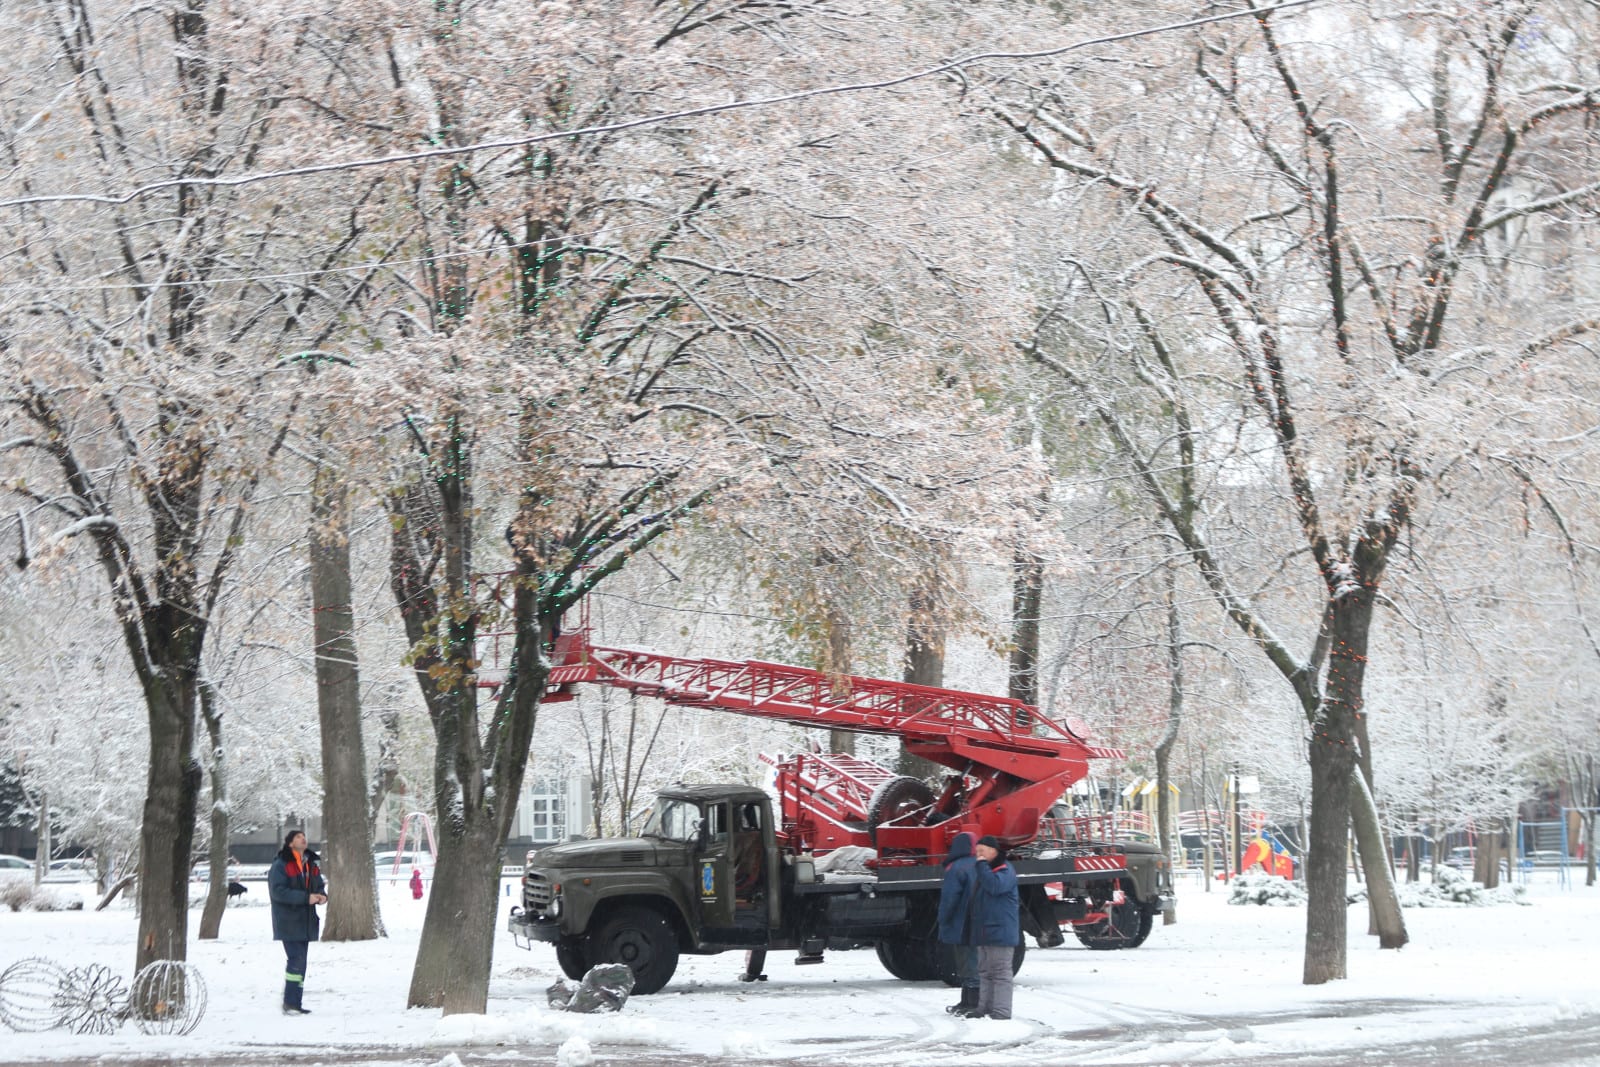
(647, 120)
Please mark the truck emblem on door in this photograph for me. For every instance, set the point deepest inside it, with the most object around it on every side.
(708, 881)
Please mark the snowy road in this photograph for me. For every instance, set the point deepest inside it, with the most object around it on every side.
(1478, 986)
(1567, 1043)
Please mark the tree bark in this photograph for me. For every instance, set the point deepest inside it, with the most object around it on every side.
(1169, 736)
(456, 952)
(924, 659)
(1384, 896)
(840, 664)
(217, 888)
(172, 790)
(1027, 599)
(1333, 762)
(353, 913)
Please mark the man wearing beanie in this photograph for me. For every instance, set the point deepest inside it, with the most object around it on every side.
(997, 929)
(958, 921)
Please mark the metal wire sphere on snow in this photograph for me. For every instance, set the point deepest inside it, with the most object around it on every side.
(29, 992)
(92, 1000)
(168, 997)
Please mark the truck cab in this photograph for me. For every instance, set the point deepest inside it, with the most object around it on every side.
(699, 879)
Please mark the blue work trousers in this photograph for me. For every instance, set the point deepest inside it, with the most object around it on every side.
(294, 974)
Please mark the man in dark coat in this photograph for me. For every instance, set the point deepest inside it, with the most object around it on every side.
(957, 897)
(997, 929)
(295, 886)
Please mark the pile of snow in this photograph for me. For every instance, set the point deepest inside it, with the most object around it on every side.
(536, 1025)
(22, 895)
(743, 1045)
(1452, 889)
(1266, 889)
(574, 1052)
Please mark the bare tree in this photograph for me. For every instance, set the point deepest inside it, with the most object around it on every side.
(147, 378)
(1357, 400)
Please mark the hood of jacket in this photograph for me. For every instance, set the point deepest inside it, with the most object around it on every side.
(960, 847)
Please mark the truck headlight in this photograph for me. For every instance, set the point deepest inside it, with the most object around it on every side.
(554, 910)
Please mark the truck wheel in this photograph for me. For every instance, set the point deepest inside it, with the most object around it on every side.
(573, 959)
(895, 799)
(645, 941)
(910, 959)
(1126, 926)
(947, 962)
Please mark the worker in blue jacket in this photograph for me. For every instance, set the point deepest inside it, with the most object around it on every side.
(997, 930)
(295, 887)
(957, 906)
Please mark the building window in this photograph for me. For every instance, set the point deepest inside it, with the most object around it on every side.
(544, 814)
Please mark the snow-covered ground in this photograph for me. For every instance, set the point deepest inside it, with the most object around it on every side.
(1221, 985)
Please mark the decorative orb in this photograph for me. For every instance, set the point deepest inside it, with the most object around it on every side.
(92, 1000)
(29, 992)
(168, 997)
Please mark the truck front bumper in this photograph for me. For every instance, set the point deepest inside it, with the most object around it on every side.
(526, 929)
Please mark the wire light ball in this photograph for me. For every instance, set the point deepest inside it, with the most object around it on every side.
(92, 1000)
(168, 997)
(30, 995)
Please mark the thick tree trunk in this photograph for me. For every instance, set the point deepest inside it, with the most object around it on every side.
(1333, 762)
(217, 889)
(841, 662)
(353, 905)
(456, 951)
(166, 837)
(924, 659)
(1027, 599)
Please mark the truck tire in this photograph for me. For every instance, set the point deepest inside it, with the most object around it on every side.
(643, 939)
(573, 957)
(1126, 926)
(894, 799)
(911, 959)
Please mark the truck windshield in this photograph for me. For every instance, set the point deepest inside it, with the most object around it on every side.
(677, 820)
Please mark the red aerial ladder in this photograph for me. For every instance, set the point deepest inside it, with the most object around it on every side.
(1011, 762)
(717, 869)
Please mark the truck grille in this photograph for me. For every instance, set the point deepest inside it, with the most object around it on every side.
(536, 892)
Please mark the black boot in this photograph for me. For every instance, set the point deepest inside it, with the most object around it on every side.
(968, 1004)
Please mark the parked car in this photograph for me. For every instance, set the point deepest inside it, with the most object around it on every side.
(15, 867)
(71, 870)
(384, 862)
(1461, 858)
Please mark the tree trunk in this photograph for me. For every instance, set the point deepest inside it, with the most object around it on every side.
(1027, 599)
(1384, 911)
(166, 836)
(841, 662)
(1169, 737)
(1333, 762)
(1383, 898)
(217, 889)
(924, 660)
(353, 906)
(42, 849)
(456, 951)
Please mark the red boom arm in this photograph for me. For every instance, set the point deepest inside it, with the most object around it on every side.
(1020, 760)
